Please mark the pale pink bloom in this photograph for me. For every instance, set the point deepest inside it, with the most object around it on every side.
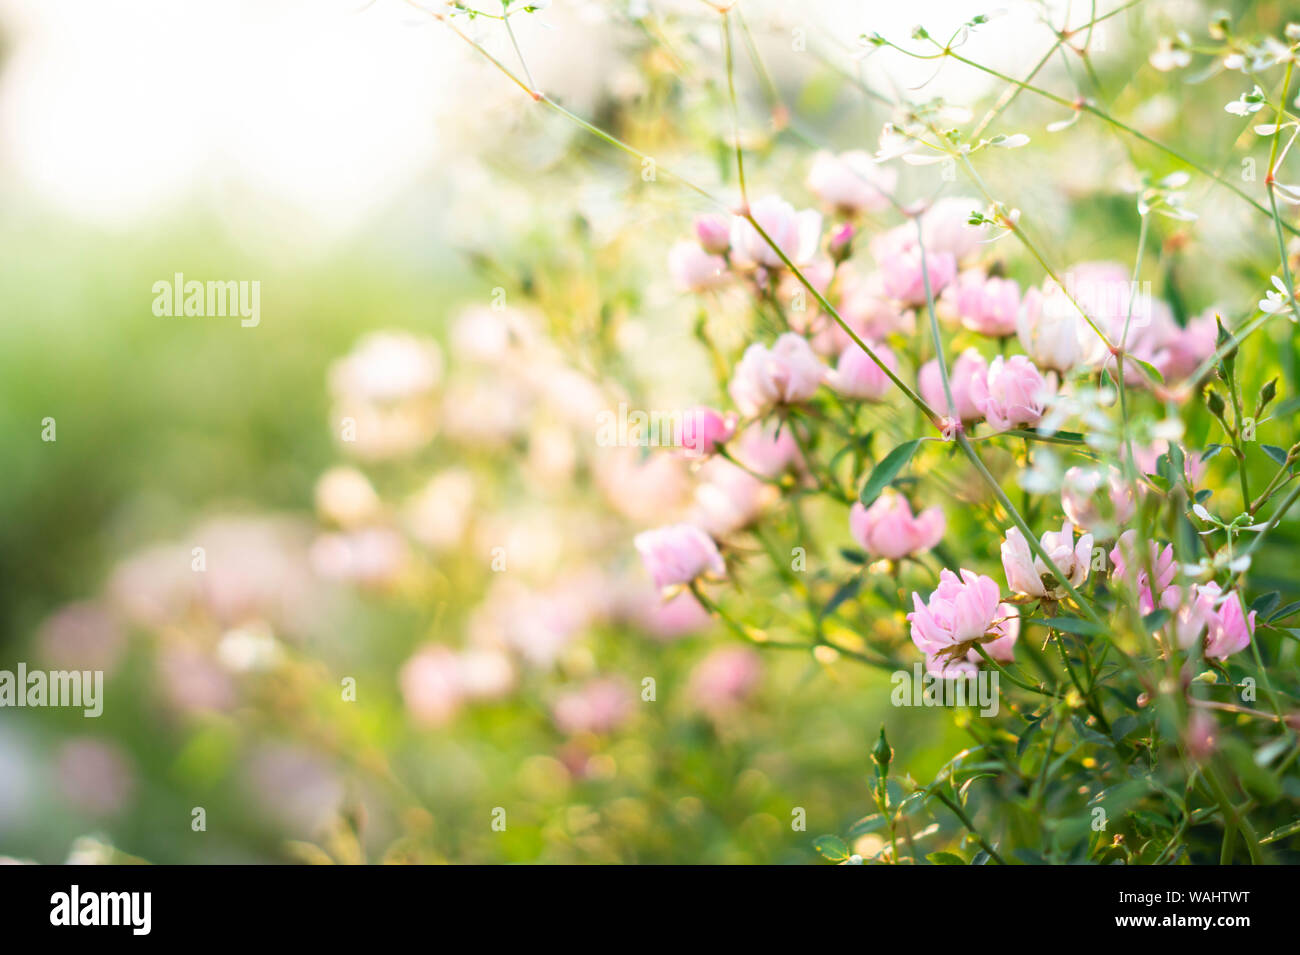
(869, 311)
(370, 556)
(787, 373)
(947, 229)
(694, 270)
(345, 496)
(703, 429)
(388, 366)
(888, 529)
(95, 776)
(1190, 617)
(987, 305)
(1228, 628)
(729, 498)
(1050, 330)
(962, 374)
(485, 673)
(1028, 574)
(678, 554)
(665, 619)
(193, 683)
(852, 182)
(713, 233)
(438, 514)
(600, 706)
(725, 678)
(490, 335)
(1013, 392)
(857, 376)
(642, 487)
(431, 687)
(82, 636)
(1003, 649)
(768, 448)
(1097, 500)
(961, 610)
(1124, 554)
(796, 233)
(898, 256)
(1202, 735)
(1105, 292)
(1187, 347)
(947, 668)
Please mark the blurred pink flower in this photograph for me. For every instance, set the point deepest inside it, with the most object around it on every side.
(947, 229)
(82, 636)
(870, 312)
(768, 449)
(600, 706)
(725, 678)
(1029, 575)
(888, 529)
(1011, 393)
(713, 233)
(851, 182)
(1187, 347)
(1050, 330)
(678, 554)
(95, 776)
(962, 374)
(1097, 500)
(703, 429)
(695, 270)
(430, 684)
(962, 610)
(796, 233)
(899, 258)
(1124, 555)
(787, 373)
(1205, 610)
(729, 498)
(857, 376)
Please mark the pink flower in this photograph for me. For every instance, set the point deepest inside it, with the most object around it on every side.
(430, 683)
(796, 233)
(695, 270)
(713, 233)
(787, 373)
(857, 376)
(871, 312)
(898, 255)
(1187, 347)
(888, 529)
(600, 706)
(1090, 507)
(730, 498)
(962, 611)
(985, 305)
(703, 429)
(1029, 574)
(725, 678)
(969, 367)
(1012, 393)
(947, 229)
(851, 182)
(1205, 610)
(768, 449)
(1124, 554)
(1050, 328)
(1147, 457)
(678, 553)
(1003, 649)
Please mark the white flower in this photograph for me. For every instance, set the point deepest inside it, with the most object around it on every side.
(1247, 103)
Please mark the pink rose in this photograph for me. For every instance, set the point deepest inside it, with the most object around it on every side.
(787, 373)
(796, 233)
(887, 529)
(969, 367)
(857, 376)
(1029, 574)
(678, 553)
(962, 611)
(1012, 393)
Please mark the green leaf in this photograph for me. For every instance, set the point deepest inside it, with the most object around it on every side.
(944, 858)
(1264, 603)
(1155, 620)
(885, 472)
(867, 824)
(846, 591)
(1273, 451)
(832, 848)
(1083, 628)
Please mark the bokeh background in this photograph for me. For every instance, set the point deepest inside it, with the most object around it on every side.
(378, 178)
